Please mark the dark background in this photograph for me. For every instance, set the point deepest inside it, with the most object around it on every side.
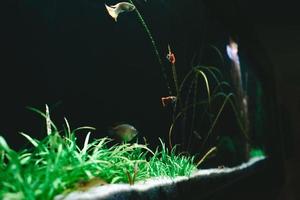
(43, 60)
(87, 68)
(278, 29)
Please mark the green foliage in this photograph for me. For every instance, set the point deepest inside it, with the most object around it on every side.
(154, 46)
(256, 152)
(56, 163)
(165, 163)
(191, 107)
(198, 104)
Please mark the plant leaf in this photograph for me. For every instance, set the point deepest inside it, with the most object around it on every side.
(30, 139)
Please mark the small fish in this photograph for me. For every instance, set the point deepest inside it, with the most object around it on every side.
(166, 100)
(170, 56)
(115, 10)
(124, 132)
(84, 185)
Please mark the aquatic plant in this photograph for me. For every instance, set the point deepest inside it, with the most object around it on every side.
(154, 45)
(216, 96)
(186, 104)
(57, 164)
(115, 10)
(194, 112)
(256, 152)
(168, 163)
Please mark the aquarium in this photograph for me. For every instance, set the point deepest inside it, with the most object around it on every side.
(115, 95)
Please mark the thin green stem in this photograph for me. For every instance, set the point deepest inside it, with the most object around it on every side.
(141, 19)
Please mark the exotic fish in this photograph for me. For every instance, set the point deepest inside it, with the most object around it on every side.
(115, 10)
(124, 132)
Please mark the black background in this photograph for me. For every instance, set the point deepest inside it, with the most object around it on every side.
(278, 29)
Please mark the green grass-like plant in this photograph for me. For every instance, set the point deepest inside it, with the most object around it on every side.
(257, 152)
(192, 100)
(57, 164)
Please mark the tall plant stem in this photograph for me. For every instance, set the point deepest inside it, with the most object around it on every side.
(141, 19)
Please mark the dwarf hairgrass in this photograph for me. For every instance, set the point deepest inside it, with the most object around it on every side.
(165, 163)
(57, 163)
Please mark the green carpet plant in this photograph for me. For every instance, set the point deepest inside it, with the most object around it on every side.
(56, 164)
